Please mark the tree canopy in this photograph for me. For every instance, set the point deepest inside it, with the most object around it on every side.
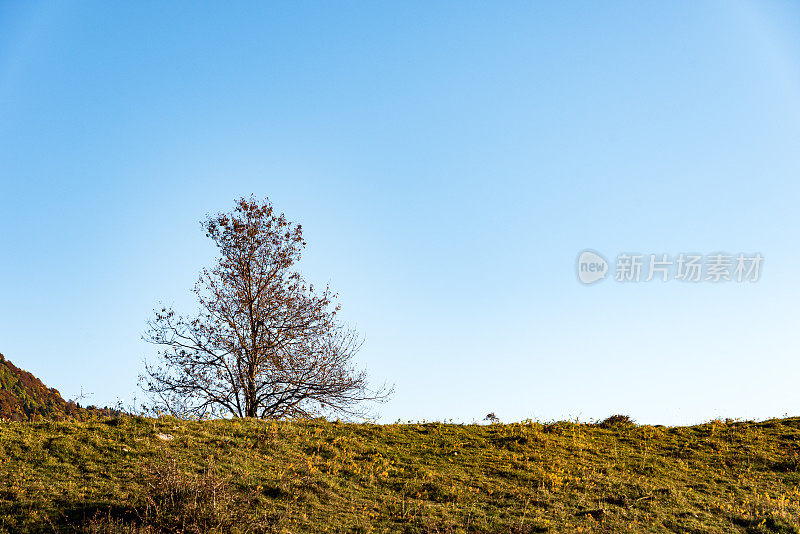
(264, 343)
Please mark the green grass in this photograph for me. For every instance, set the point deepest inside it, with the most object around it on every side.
(317, 476)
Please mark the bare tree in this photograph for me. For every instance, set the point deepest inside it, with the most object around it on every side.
(264, 343)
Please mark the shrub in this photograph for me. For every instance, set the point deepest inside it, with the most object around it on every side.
(492, 418)
(616, 420)
(178, 501)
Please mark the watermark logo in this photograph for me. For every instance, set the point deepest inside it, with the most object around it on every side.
(592, 267)
(685, 267)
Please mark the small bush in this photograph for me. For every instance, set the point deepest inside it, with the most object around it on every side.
(178, 501)
(492, 418)
(170, 499)
(616, 420)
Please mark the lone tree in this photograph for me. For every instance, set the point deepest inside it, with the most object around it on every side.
(264, 343)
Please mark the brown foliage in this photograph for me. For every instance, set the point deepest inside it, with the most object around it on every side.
(170, 498)
(178, 501)
(616, 420)
(265, 343)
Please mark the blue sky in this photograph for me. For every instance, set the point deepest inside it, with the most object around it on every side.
(448, 162)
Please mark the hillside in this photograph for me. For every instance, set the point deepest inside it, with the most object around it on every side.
(23, 397)
(166, 475)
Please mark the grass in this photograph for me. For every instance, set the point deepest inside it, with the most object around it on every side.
(118, 475)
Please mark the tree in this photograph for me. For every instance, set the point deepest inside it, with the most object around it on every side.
(264, 343)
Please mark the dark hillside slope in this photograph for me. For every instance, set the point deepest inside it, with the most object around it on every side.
(23, 397)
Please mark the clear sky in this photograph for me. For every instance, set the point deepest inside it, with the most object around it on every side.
(448, 161)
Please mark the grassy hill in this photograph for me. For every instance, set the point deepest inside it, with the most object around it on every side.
(165, 475)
